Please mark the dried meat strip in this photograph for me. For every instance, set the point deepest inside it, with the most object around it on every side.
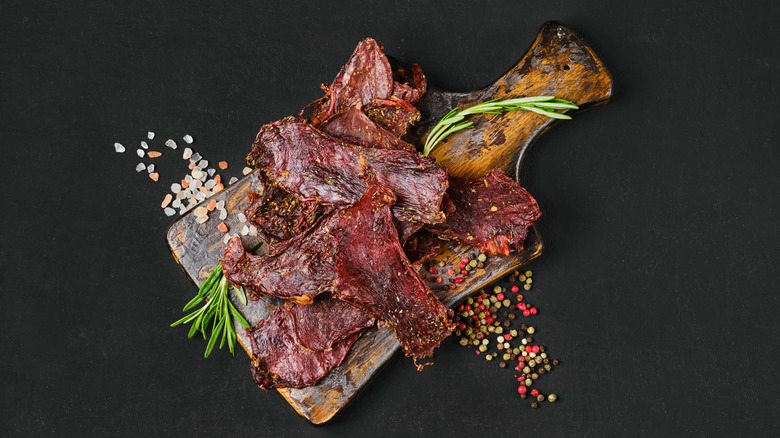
(367, 75)
(302, 268)
(318, 167)
(353, 126)
(375, 275)
(296, 346)
(492, 213)
(279, 215)
(421, 247)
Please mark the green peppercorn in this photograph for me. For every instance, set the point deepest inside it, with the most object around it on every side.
(469, 331)
(527, 286)
(521, 278)
(506, 356)
(493, 299)
(481, 315)
(491, 329)
(530, 330)
(475, 342)
(457, 333)
(497, 289)
(543, 355)
(528, 382)
(547, 367)
(482, 321)
(464, 341)
(528, 281)
(552, 398)
(499, 330)
(470, 300)
(528, 273)
(526, 370)
(482, 257)
(516, 350)
(483, 348)
(506, 302)
(497, 304)
(441, 264)
(513, 333)
(534, 376)
(473, 263)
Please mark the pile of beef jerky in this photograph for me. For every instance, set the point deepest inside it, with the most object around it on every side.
(350, 210)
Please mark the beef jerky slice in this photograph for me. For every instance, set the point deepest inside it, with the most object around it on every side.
(318, 167)
(492, 213)
(353, 126)
(302, 268)
(375, 275)
(279, 215)
(395, 114)
(295, 347)
(366, 76)
(421, 247)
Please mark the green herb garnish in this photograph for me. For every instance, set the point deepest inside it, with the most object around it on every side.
(216, 312)
(454, 120)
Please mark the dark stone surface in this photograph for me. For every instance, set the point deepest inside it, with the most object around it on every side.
(657, 289)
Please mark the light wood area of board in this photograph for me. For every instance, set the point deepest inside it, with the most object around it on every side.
(558, 63)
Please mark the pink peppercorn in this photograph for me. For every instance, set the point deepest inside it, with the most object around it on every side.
(522, 389)
(533, 310)
(465, 260)
(464, 272)
(500, 297)
(462, 265)
(526, 313)
(515, 289)
(534, 392)
(452, 286)
(459, 280)
(438, 279)
(450, 271)
(432, 270)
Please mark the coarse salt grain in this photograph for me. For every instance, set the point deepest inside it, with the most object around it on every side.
(154, 176)
(247, 170)
(171, 144)
(201, 219)
(218, 188)
(241, 218)
(150, 135)
(252, 231)
(150, 168)
(169, 211)
(187, 153)
(211, 172)
(144, 145)
(176, 203)
(211, 205)
(222, 214)
(188, 139)
(140, 153)
(175, 187)
(140, 166)
(119, 148)
(167, 200)
(203, 164)
(154, 154)
(210, 184)
(222, 227)
(232, 180)
(221, 204)
(223, 165)
(197, 174)
(196, 157)
(244, 230)
(201, 211)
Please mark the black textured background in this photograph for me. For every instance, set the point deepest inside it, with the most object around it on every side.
(658, 290)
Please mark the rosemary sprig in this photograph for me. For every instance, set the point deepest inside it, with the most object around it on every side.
(216, 312)
(455, 121)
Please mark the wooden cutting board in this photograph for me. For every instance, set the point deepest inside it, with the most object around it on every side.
(558, 63)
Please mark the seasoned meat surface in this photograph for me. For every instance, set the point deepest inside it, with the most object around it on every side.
(492, 213)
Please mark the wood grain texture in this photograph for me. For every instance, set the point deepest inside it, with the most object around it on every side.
(558, 63)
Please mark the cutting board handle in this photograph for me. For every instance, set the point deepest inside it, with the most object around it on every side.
(559, 63)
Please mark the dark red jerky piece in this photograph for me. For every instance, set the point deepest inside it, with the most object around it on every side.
(409, 93)
(353, 126)
(405, 229)
(375, 275)
(302, 269)
(328, 320)
(492, 213)
(421, 247)
(315, 166)
(394, 114)
(279, 215)
(367, 75)
(296, 346)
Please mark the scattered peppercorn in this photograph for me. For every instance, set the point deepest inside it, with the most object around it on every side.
(552, 398)
(534, 405)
